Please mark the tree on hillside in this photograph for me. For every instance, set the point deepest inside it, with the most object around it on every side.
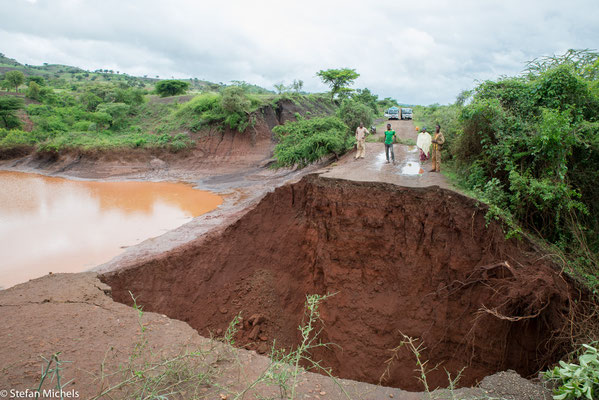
(337, 78)
(5, 85)
(352, 112)
(297, 85)
(8, 111)
(387, 102)
(33, 91)
(280, 87)
(90, 100)
(365, 96)
(37, 79)
(234, 100)
(118, 114)
(345, 93)
(236, 106)
(171, 87)
(15, 78)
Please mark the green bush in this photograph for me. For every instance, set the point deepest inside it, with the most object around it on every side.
(231, 109)
(82, 125)
(202, 103)
(118, 114)
(529, 146)
(33, 91)
(577, 381)
(352, 112)
(366, 97)
(308, 140)
(9, 106)
(15, 138)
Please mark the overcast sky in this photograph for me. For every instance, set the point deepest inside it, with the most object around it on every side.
(418, 52)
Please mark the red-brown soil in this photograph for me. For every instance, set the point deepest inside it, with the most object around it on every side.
(421, 261)
(73, 314)
(215, 152)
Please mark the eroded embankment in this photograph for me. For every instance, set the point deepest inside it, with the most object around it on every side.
(216, 150)
(415, 260)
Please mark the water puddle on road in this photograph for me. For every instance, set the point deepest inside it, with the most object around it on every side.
(411, 168)
(50, 224)
(408, 167)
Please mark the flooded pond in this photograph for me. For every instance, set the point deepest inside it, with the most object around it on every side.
(50, 224)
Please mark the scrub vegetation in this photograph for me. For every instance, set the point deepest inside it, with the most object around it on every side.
(54, 107)
(305, 141)
(529, 146)
(308, 140)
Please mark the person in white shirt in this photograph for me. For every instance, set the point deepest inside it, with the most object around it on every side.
(361, 133)
(424, 144)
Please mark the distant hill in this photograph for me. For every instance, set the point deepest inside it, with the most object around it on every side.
(64, 74)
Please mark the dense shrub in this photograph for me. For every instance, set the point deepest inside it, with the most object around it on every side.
(232, 108)
(353, 112)
(530, 146)
(308, 140)
(16, 138)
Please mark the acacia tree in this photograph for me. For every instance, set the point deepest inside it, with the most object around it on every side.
(15, 78)
(338, 79)
(280, 87)
(297, 85)
(171, 87)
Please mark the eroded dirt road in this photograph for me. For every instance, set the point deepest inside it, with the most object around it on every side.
(74, 313)
(407, 170)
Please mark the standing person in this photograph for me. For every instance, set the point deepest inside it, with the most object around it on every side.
(389, 136)
(424, 144)
(361, 133)
(437, 141)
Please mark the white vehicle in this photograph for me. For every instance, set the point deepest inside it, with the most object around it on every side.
(406, 113)
(392, 113)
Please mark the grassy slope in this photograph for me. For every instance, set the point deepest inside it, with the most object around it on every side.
(64, 122)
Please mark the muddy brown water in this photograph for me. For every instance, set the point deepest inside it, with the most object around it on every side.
(50, 224)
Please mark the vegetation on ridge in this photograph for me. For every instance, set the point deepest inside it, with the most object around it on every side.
(529, 147)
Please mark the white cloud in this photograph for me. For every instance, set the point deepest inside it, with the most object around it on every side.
(418, 52)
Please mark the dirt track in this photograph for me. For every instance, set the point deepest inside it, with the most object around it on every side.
(407, 171)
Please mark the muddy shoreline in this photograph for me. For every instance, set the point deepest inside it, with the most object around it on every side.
(239, 189)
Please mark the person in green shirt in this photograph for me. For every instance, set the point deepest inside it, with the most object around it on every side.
(389, 138)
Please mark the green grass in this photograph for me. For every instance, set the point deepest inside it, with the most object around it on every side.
(406, 142)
